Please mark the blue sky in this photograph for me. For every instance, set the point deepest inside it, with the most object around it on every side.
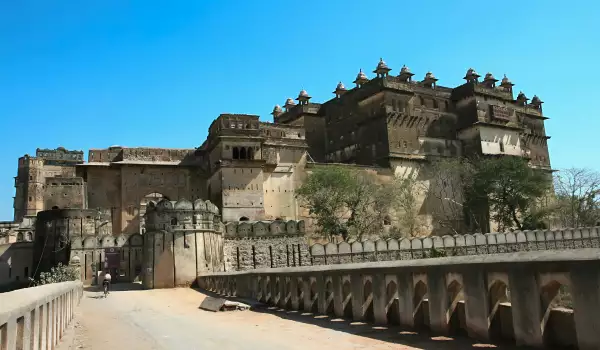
(90, 74)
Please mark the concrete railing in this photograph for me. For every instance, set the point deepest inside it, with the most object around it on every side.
(489, 296)
(490, 243)
(35, 318)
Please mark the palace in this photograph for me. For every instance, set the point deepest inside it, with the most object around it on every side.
(248, 169)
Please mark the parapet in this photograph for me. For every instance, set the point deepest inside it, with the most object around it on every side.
(182, 215)
(264, 229)
(469, 244)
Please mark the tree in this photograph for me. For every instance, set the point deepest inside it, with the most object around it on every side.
(578, 197)
(508, 187)
(445, 193)
(403, 192)
(352, 202)
(58, 273)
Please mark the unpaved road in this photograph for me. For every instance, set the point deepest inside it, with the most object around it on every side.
(170, 319)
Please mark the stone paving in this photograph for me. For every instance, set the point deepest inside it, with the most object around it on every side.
(131, 318)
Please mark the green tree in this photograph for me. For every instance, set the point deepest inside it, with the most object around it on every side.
(508, 187)
(58, 273)
(353, 202)
(577, 197)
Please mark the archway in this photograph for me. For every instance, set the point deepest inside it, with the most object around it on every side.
(420, 306)
(244, 218)
(499, 301)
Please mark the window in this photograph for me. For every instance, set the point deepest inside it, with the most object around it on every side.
(236, 153)
(386, 220)
(243, 218)
(30, 199)
(501, 147)
(174, 221)
(250, 153)
(243, 154)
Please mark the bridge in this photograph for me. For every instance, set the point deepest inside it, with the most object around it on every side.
(454, 302)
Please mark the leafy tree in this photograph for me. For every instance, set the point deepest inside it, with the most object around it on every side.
(352, 202)
(508, 187)
(58, 273)
(578, 197)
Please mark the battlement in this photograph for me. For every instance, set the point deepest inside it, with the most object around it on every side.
(59, 155)
(489, 243)
(264, 229)
(182, 215)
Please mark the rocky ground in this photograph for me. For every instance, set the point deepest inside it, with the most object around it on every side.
(131, 318)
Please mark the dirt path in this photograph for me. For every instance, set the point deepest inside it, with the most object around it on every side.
(170, 319)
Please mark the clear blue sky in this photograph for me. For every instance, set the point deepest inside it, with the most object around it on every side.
(85, 74)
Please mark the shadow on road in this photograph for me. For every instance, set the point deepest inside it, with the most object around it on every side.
(117, 287)
(423, 339)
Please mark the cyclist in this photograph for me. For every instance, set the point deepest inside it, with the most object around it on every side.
(106, 282)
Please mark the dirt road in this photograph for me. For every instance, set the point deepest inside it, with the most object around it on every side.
(170, 319)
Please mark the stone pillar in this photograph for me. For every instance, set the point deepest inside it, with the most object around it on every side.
(294, 293)
(282, 292)
(358, 285)
(406, 293)
(379, 299)
(476, 304)
(526, 308)
(306, 291)
(322, 293)
(338, 295)
(585, 282)
(274, 290)
(438, 301)
(44, 326)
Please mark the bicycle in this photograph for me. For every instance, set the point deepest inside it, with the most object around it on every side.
(105, 284)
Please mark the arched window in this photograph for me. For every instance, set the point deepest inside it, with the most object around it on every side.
(236, 153)
(174, 221)
(243, 153)
(20, 237)
(250, 153)
(244, 218)
(387, 220)
(29, 236)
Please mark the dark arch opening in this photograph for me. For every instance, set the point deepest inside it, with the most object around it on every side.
(243, 154)
(387, 220)
(19, 236)
(55, 208)
(244, 218)
(173, 221)
(250, 153)
(236, 153)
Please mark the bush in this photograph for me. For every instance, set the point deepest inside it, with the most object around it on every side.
(59, 273)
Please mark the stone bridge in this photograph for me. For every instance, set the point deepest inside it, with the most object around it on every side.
(438, 303)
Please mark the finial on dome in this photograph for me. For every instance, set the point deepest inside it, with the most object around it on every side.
(405, 74)
(382, 69)
(506, 84)
(303, 97)
(361, 78)
(430, 80)
(289, 103)
(521, 99)
(340, 89)
(536, 102)
(471, 76)
(277, 111)
(489, 80)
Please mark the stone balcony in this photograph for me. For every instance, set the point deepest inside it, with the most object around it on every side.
(489, 297)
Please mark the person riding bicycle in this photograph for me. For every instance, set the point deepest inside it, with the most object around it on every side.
(106, 281)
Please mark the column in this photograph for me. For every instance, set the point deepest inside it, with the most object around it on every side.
(358, 310)
(438, 301)
(526, 308)
(274, 290)
(306, 291)
(294, 293)
(44, 326)
(476, 304)
(35, 329)
(282, 292)
(380, 299)
(338, 295)
(322, 294)
(406, 293)
(585, 282)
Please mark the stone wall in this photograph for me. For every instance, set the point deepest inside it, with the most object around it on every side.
(414, 248)
(265, 244)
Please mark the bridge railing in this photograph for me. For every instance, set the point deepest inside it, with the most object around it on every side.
(492, 296)
(36, 318)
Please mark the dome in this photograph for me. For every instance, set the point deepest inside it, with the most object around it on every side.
(471, 71)
(429, 76)
(340, 86)
(506, 81)
(536, 100)
(277, 109)
(489, 76)
(361, 75)
(382, 65)
(303, 93)
(183, 204)
(404, 70)
(289, 102)
(522, 96)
